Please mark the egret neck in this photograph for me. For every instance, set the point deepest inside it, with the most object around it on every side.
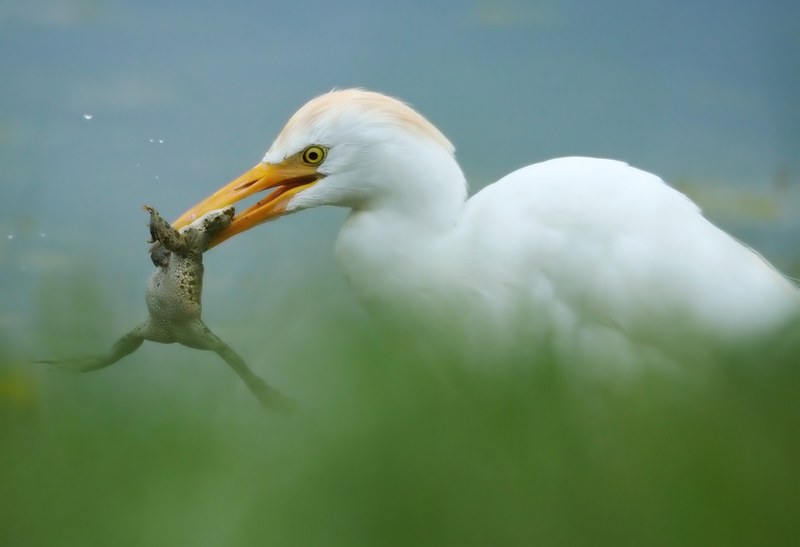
(391, 246)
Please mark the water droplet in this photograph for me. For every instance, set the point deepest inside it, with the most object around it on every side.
(42, 234)
(88, 116)
(157, 177)
(10, 236)
(160, 141)
(138, 165)
(151, 140)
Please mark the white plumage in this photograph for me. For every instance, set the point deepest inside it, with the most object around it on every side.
(588, 259)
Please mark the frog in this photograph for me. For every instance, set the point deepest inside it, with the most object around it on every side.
(174, 304)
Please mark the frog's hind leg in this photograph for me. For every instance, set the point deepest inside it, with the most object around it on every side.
(203, 338)
(122, 347)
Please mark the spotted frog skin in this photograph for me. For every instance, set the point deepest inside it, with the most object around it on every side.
(174, 289)
(173, 302)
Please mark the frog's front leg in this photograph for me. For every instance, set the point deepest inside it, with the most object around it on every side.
(122, 347)
(162, 232)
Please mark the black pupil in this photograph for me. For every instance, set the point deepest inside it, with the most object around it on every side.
(313, 155)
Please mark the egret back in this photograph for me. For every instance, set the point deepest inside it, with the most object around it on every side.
(606, 257)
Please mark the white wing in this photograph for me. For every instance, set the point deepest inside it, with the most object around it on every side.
(602, 256)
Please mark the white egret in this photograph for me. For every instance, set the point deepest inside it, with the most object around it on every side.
(592, 258)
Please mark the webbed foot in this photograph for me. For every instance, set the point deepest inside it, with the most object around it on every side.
(122, 347)
(269, 397)
(80, 364)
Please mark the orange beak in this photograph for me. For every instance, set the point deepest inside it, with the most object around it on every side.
(286, 179)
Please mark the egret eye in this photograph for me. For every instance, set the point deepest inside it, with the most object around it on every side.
(313, 155)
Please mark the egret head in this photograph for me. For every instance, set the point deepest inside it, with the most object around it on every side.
(350, 148)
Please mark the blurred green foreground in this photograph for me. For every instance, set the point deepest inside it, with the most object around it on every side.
(167, 448)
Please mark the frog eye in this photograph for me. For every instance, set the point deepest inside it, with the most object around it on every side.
(313, 155)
